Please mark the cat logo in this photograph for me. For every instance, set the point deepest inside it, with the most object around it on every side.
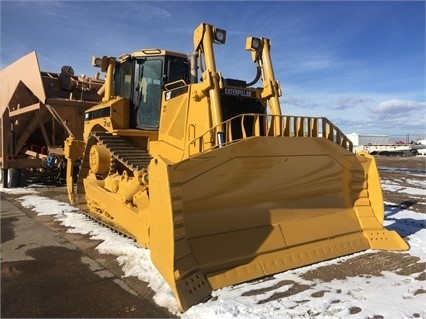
(239, 92)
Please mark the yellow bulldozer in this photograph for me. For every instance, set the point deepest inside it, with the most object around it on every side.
(208, 174)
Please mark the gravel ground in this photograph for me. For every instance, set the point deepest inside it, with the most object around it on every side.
(400, 177)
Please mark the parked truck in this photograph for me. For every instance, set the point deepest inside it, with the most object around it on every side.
(39, 110)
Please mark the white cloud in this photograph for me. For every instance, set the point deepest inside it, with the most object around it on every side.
(148, 11)
(302, 103)
(351, 102)
(395, 116)
(396, 106)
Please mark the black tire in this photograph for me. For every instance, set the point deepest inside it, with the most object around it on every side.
(13, 177)
(23, 178)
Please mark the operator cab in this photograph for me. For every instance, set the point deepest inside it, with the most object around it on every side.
(141, 77)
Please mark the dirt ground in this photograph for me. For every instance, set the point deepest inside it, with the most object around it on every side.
(403, 172)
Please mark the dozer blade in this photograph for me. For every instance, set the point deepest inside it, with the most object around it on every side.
(259, 207)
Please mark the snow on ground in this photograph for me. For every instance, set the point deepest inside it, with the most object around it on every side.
(416, 187)
(390, 295)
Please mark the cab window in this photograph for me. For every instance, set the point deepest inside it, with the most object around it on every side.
(147, 93)
(123, 80)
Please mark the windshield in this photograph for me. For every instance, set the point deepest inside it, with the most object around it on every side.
(147, 93)
(142, 80)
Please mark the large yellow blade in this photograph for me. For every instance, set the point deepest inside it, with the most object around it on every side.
(259, 207)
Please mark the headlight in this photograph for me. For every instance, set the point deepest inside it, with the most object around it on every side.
(256, 43)
(219, 36)
(96, 61)
(253, 43)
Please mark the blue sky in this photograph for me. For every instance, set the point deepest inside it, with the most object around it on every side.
(361, 64)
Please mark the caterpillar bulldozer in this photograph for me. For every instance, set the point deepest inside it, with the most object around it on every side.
(208, 174)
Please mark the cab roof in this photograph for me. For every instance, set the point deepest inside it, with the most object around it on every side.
(150, 52)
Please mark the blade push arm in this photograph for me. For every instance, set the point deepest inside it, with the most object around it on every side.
(260, 49)
(204, 37)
